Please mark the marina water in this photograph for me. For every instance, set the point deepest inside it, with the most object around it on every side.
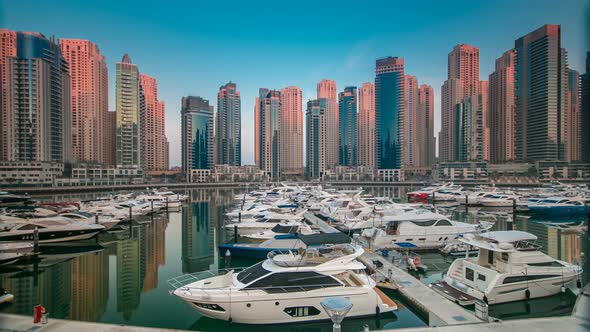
(120, 277)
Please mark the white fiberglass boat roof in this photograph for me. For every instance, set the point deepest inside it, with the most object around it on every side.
(509, 236)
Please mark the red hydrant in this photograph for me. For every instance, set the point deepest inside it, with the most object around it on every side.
(38, 313)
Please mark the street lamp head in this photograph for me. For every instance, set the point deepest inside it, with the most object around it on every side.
(336, 307)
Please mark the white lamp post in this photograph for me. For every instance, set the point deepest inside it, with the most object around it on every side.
(336, 307)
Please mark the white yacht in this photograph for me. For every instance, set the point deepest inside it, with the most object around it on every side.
(288, 288)
(265, 222)
(55, 229)
(420, 229)
(107, 221)
(508, 268)
(279, 229)
(498, 200)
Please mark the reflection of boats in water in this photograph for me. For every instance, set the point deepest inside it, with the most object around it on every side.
(556, 305)
(55, 254)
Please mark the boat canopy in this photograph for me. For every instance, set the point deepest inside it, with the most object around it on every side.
(324, 238)
(509, 236)
(499, 241)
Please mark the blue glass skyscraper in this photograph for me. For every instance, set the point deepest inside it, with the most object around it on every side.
(347, 109)
(389, 107)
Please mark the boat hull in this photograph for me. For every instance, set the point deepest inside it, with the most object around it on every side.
(283, 308)
(558, 210)
(238, 250)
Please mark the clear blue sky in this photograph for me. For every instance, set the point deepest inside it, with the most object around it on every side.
(193, 47)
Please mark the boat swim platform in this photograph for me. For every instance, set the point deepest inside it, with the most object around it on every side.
(434, 307)
(321, 224)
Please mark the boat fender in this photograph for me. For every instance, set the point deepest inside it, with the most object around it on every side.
(562, 289)
(417, 261)
(377, 311)
(527, 294)
(579, 283)
(485, 299)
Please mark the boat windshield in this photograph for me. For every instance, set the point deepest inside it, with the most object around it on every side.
(285, 229)
(252, 273)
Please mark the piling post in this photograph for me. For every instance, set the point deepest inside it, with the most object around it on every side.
(433, 197)
(466, 204)
(235, 233)
(166, 203)
(96, 219)
(130, 214)
(36, 240)
(152, 205)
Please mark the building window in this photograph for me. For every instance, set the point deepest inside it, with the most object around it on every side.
(469, 274)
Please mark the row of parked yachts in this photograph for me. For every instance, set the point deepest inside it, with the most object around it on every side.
(304, 263)
(24, 222)
(555, 199)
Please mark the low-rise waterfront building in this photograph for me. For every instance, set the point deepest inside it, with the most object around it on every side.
(468, 170)
(33, 173)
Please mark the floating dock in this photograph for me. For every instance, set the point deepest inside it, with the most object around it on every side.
(322, 225)
(438, 310)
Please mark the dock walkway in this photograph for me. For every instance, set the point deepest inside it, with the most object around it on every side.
(322, 225)
(437, 309)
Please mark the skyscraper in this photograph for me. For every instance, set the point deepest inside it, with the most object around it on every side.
(326, 89)
(585, 122)
(129, 104)
(574, 105)
(366, 125)
(347, 130)
(316, 142)
(412, 123)
(153, 141)
(89, 98)
(462, 82)
(501, 109)
(291, 130)
(427, 151)
(197, 134)
(540, 90)
(270, 133)
(469, 135)
(35, 115)
(7, 51)
(389, 112)
(257, 132)
(110, 134)
(228, 126)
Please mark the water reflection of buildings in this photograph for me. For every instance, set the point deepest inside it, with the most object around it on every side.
(138, 260)
(73, 289)
(198, 233)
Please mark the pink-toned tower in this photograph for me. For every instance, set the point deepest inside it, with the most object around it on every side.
(7, 49)
(257, 132)
(152, 122)
(412, 123)
(366, 125)
(291, 130)
(462, 82)
(427, 140)
(89, 98)
(501, 110)
(326, 89)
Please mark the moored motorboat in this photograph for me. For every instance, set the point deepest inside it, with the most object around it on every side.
(508, 268)
(288, 288)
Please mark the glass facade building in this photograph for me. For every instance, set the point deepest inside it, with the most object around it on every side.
(347, 112)
(389, 108)
(197, 134)
(129, 105)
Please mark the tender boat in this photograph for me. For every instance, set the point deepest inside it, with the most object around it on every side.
(288, 288)
(420, 229)
(55, 229)
(508, 268)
